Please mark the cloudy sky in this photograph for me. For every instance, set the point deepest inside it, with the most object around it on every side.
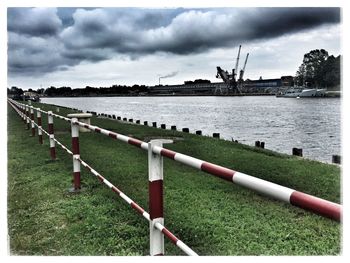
(77, 47)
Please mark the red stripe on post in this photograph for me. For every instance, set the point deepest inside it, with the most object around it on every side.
(112, 135)
(173, 238)
(156, 199)
(97, 130)
(137, 208)
(76, 176)
(317, 205)
(53, 153)
(75, 145)
(135, 142)
(39, 121)
(50, 128)
(168, 153)
(33, 127)
(217, 170)
(86, 126)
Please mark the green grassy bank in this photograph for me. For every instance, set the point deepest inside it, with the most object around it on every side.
(210, 215)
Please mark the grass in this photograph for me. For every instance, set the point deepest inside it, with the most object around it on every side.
(212, 216)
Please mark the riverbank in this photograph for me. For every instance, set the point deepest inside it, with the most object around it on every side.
(330, 94)
(212, 216)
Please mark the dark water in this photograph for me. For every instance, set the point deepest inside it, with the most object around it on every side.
(282, 123)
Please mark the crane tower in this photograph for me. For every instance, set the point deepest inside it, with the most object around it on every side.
(234, 85)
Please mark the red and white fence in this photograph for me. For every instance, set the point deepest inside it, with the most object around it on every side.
(157, 228)
(155, 154)
(285, 194)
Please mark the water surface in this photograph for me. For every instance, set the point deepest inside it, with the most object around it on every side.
(313, 124)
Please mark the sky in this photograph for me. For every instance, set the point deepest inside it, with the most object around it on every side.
(80, 47)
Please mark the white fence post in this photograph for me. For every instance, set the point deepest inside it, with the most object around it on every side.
(27, 117)
(76, 154)
(155, 190)
(51, 135)
(32, 120)
(23, 115)
(40, 133)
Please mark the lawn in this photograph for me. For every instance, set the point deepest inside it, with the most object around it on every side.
(210, 215)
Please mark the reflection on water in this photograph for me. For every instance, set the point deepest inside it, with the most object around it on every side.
(282, 123)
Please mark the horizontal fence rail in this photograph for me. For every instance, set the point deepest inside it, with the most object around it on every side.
(160, 227)
(314, 204)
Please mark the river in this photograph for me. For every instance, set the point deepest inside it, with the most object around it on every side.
(313, 124)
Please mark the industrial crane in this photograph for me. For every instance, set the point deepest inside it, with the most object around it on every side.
(230, 79)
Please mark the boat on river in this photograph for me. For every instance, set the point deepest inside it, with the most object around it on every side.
(301, 92)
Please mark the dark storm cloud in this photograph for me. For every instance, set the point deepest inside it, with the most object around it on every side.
(33, 21)
(51, 39)
(35, 55)
(190, 31)
(273, 22)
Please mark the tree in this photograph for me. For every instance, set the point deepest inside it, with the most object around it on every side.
(300, 76)
(40, 91)
(16, 91)
(52, 91)
(319, 69)
(331, 71)
(314, 62)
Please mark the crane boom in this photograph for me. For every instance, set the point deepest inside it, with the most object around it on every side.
(239, 52)
(245, 62)
(241, 73)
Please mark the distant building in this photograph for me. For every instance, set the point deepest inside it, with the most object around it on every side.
(202, 87)
(262, 83)
(31, 95)
(287, 81)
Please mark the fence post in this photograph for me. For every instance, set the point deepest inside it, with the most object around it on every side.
(19, 107)
(23, 113)
(52, 136)
(27, 116)
(155, 191)
(32, 120)
(40, 133)
(76, 154)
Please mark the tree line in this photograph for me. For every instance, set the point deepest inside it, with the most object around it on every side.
(87, 91)
(319, 69)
